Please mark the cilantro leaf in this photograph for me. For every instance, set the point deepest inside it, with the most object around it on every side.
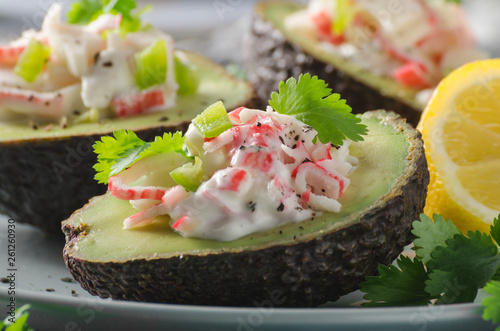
(123, 7)
(491, 304)
(462, 267)
(495, 229)
(310, 101)
(431, 234)
(401, 287)
(117, 154)
(129, 157)
(110, 149)
(84, 11)
(21, 320)
(169, 142)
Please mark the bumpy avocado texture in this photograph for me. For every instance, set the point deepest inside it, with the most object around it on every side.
(46, 172)
(301, 264)
(273, 53)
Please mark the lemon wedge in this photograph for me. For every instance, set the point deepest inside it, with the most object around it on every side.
(461, 130)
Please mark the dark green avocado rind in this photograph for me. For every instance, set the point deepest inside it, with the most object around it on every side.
(47, 174)
(273, 53)
(319, 261)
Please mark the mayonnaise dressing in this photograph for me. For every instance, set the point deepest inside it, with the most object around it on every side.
(264, 172)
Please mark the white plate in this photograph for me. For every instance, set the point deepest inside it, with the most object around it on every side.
(58, 303)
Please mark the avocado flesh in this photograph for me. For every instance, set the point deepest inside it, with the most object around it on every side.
(46, 174)
(273, 53)
(392, 174)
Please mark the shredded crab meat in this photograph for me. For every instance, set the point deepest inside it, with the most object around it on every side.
(274, 174)
(94, 57)
(412, 42)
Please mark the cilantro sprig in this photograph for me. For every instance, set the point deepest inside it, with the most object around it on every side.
(85, 11)
(115, 154)
(449, 267)
(17, 323)
(310, 100)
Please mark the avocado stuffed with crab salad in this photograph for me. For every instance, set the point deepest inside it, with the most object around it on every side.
(96, 69)
(377, 54)
(241, 206)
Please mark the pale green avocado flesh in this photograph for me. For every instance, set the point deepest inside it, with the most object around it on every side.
(214, 81)
(382, 159)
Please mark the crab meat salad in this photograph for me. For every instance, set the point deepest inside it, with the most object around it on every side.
(102, 62)
(236, 173)
(416, 42)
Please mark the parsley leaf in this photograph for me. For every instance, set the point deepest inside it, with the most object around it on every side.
(401, 287)
(169, 142)
(310, 101)
(462, 267)
(20, 323)
(491, 304)
(495, 229)
(85, 11)
(430, 235)
(110, 149)
(117, 154)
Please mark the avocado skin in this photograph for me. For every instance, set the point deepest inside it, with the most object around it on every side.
(57, 177)
(270, 58)
(304, 274)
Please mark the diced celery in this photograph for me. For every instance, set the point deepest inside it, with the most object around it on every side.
(32, 60)
(189, 175)
(151, 65)
(343, 16)
(186, 77)
(213, 121)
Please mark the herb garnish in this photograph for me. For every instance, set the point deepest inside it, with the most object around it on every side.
(118, 153)
(449, 267)
(311, 101)
(85, 11)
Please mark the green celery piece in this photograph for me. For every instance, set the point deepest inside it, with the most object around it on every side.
(151, 65)
(32, 60)
(213, 121)
(343, 16)
(189, 176)
(186, 77)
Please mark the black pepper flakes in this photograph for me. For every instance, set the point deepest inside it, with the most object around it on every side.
(296, 138)
(281, 207)
(301, 227)
(31, 97)
(281, 232)
(251, 205)
(107, 64)
(163, 119)
(259, 124)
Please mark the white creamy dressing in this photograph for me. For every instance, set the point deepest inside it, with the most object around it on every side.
(264, 172)
(103, 68)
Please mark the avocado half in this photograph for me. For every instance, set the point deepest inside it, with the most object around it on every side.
(46, 173)
(301, 264)
(273, 53)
